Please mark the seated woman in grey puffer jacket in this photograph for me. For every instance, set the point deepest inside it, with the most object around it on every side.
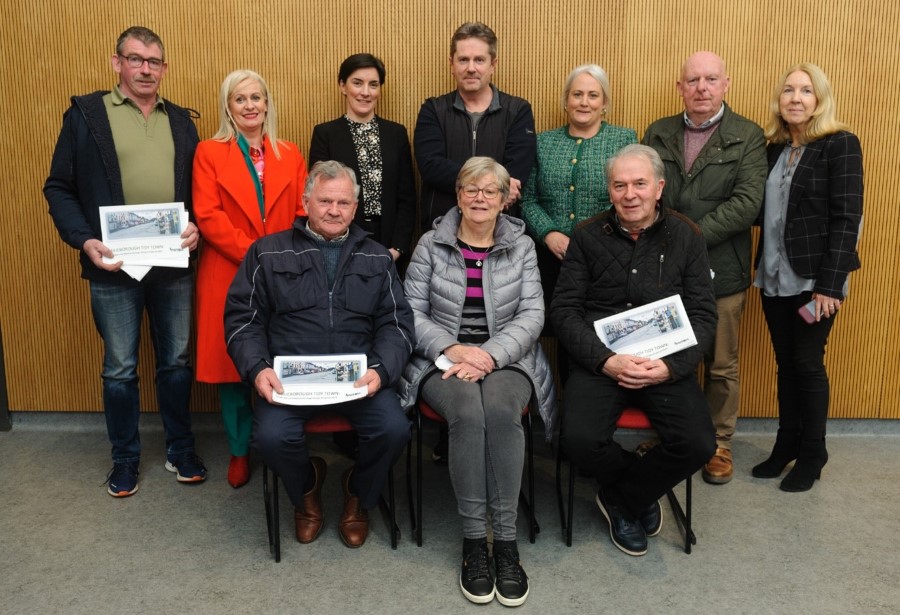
(475, 291)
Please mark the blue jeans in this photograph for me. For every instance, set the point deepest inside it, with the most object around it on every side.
(118, 311)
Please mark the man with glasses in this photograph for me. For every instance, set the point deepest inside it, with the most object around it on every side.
(128, 147)
(323, 287)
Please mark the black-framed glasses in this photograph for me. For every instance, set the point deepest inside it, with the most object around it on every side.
(489, 192)
(136, 61)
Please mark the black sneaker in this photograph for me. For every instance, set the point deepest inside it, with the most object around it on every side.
(511, 584)
(188, 467)
(629, 536)
(122, 479)
(475, 578)
(651, 519)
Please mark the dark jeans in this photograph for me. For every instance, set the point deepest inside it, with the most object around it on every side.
(279, 437)
(803, 389)
(679, 414)
(118, 311)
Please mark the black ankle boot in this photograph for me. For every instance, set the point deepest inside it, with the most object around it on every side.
(786, 449)
(808, 468)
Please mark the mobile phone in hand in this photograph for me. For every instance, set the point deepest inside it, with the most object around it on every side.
(808, 312)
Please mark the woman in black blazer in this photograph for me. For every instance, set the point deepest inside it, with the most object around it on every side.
(811, 220)
(378, 152)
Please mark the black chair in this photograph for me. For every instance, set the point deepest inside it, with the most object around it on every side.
(325, 422)
(631, 418)
(415, 510)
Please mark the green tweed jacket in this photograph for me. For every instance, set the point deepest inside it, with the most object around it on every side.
(568, 182)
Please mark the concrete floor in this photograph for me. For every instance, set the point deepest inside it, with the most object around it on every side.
(67, 547)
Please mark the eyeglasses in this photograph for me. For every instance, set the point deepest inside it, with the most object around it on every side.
(136, 61)
(489, 192)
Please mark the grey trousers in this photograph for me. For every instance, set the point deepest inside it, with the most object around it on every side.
(486, 446)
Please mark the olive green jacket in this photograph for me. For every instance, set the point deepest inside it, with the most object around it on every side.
(722, 192)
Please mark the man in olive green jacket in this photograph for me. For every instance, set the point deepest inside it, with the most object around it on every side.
(715, 174)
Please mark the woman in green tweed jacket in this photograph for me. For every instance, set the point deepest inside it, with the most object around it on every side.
(568, 182)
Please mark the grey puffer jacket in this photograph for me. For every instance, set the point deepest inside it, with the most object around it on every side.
(435, 288)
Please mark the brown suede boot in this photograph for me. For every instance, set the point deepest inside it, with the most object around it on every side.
(309, 518)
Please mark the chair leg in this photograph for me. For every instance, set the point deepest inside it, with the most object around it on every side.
(560, 504)
(529, 448)
(571, 511)
(419, 479)
(270, 499)
(682, 517)
(389, 510)
(409, 488)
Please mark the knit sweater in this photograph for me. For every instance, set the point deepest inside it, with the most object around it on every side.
(568, 182)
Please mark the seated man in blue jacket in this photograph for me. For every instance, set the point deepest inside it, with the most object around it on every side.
(635, 253)
(324, 286)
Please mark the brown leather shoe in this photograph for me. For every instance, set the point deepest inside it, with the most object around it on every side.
(308, 519)
(720, 468)
(354, 526)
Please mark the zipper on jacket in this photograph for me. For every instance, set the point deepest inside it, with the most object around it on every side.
(662, 258)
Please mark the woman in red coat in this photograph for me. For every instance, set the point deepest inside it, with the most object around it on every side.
(247, 183)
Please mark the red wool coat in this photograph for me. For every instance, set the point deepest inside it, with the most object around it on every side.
(228, 217)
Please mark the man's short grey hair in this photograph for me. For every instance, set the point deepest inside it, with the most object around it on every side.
(330, 169)
(636, 150)
(144, 35)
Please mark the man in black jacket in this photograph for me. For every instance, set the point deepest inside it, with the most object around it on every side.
(476, 119)
(131, 147)
(323, 287)
(631, 255)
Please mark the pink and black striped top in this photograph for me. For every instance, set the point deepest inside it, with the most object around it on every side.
(473, 328)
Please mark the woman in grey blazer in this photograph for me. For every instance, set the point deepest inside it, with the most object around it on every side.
(811, 219)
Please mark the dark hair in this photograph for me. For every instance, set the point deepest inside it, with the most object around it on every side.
(475, 29)
(358, 61)
(145, 35)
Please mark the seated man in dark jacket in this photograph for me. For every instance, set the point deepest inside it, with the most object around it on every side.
(323, 286)
(626, 257)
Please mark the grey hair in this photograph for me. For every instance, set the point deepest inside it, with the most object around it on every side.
(330, 169)
(637, 150)
(595, 71)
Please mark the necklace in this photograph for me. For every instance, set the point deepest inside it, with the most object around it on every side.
(471, 253)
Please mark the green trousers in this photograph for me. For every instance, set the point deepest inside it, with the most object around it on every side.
(237, 416)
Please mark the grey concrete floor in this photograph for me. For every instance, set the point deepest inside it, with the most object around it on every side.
(67, 547)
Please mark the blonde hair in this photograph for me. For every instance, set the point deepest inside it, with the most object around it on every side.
(824, 119)
(227, 129)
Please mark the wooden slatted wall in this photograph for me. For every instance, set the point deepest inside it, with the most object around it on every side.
(57, 48)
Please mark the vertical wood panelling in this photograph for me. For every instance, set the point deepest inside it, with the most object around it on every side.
(58, 48)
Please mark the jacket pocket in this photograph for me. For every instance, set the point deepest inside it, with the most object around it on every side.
(362, 291)
(293, 284)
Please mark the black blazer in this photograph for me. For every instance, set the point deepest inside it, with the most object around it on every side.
(332, 141)
(824, 211)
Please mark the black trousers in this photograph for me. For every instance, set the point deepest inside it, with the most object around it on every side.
(679, 414)
(803, 387)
